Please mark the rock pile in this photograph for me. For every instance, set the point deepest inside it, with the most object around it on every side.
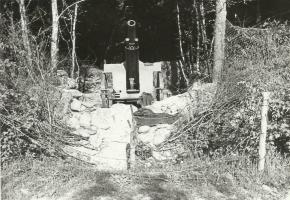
(106, 131)
(76, 101)
(197, 97)
(106, 134)
(153, 137)
(185, 105)
(90, 79)
(65, 81)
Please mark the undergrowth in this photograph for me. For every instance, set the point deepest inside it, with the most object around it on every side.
(258, 60)
(30, 123)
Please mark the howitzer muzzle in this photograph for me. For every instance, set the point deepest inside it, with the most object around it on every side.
(132, 59)
(131, 29)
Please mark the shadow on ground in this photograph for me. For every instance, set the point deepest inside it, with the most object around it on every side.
(154, 188)
(158, 189)
(102, 187)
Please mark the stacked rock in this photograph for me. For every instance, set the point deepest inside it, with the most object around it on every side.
(153, 137)
(105, 133)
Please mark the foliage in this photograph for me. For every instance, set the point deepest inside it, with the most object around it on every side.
(29, 119)
(263, 56)
(257, 61)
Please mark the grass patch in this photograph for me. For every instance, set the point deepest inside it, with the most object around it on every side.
(219, 178)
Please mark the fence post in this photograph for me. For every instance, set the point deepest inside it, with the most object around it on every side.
(132, 141)
(263, 135)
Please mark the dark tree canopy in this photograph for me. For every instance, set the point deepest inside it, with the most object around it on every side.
(101, 24)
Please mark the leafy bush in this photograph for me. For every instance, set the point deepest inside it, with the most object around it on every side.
(257, 60)
(29, 119)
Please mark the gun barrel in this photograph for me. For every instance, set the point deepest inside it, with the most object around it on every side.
(132, 59)
(131, 30)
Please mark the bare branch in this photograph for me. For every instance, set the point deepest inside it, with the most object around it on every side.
(69, 7)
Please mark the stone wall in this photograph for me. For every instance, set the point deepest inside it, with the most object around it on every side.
(106, 131)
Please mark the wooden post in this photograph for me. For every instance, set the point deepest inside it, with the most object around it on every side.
(156, 81)
(110, 98)
(263, 135)
(109, 80)
(106, 89)
(132, 141)
(158, 85)
(104, 97)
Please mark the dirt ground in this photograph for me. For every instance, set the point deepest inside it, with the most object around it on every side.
(62, 180)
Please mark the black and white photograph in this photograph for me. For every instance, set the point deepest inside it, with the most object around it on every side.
(145, 99)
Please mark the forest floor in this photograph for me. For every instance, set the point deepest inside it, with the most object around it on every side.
(71, 180)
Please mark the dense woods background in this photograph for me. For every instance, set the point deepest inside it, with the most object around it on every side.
(100, 25)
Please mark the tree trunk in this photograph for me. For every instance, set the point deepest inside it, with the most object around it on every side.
(180, 45)
(54, 36)
(204, 35)
(203, 24)
(259, 15)
(219, 43)
(197, 36)
(24, 31)
(74, 41)
(191, 54)
(179, 33)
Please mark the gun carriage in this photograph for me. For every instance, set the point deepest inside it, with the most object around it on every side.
(131, 81)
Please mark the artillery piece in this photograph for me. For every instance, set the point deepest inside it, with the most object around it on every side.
(129, 81)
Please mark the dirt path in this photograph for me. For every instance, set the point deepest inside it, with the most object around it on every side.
(61, 180)
(119, 187)
(108, 186)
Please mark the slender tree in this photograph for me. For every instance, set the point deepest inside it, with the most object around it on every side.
(74, 40)
(204, 34)
(195, 7)
(259, 14)
(203, 23)
(25, 32)
(54, 35)
(219, 43)
(179, 33)
(182, 63)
